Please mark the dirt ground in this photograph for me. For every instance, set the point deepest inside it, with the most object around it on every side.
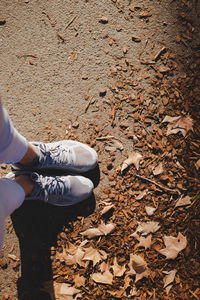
(88, 70)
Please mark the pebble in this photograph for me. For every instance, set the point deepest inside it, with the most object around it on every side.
(2, 21)
(102, 92)
(75, 125)
(136, 39)
(84, 77)
(124, 49)
(3, 263)
(103, 20)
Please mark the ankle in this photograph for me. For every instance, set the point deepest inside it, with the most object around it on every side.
(30, 155)
(26, 183)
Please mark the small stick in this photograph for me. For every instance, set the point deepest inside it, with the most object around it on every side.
(87, 105)
(157, 184)
(103, 138)
(70, 22)
(27, 55)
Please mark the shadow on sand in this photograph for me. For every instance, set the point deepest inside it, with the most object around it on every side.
(37, 226)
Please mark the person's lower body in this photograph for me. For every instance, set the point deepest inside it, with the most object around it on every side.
(29, 159)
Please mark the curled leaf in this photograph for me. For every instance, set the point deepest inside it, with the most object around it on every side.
(145, 241)
(176, 124)
(173, 246)
(138, 267)
(147, 227)
(103, 229)
(158, 170)
(183, 201)
(169, 278)
(92, 232)
(94, 255)
(106, 228)
(134, 158)
(106, 277)
(141, 195)
(106, 209)
(117, 269)
(150, 210)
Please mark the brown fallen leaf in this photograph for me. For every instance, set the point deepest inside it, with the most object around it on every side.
(176, 124)
(158, 170)
(168, 279)
(106, 228)
(94, 255)
(147, 227)
(138, 267)
(118, 270)
(79, 280)
(69, 259)
(183, 201)
(197, 164)
(119, 294)
(106, 277)
(106, 209)
(150, 210)
(133, 158)
(141, 195)
(62, 291)
(91, 233)
(173, 246)
(103, 229)
(145, 241)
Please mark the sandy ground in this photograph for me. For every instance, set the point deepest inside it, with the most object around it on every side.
(49, 73)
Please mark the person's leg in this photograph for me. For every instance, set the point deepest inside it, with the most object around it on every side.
(12, 196)
(13, 145)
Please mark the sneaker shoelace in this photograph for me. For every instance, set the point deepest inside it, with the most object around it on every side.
(49, 186)
(54, 156)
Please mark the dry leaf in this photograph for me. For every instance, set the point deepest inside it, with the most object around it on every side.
(127, 281)
(169, 278)
(147, 227)
(92, 232)
(72, 259)
(183, 201)
(173, 245)
(117, 294)
(103, 267)
(150, 210)
(197, 165)
(176, 124)
(106, 228)
(55, 289)
(158, 170)
(138, 267)
(60, 291)
(145, 241)
(133, 158)
(103, 229)
(117, 269)
(71, 249)
(105, 277)
(141, 195)
(106, 209)
(79, 280)
(94, 255)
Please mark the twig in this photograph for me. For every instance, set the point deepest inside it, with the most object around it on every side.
(157, 184)
(103, 138)
(27, 55)
(70, 22)
(87, 105)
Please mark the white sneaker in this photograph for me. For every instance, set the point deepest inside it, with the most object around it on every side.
(66, 155)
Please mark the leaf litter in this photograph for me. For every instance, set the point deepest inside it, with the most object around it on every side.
(141, 189)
